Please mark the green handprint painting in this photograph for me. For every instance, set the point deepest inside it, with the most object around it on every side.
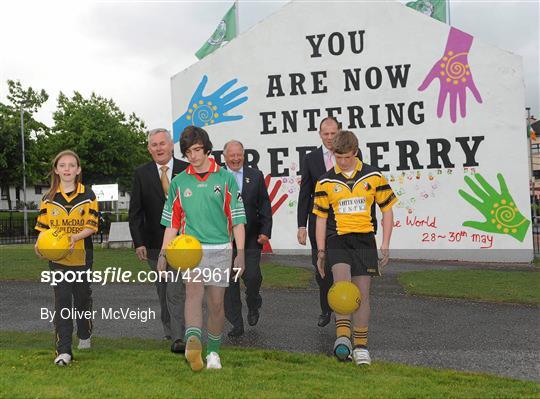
(499, 209)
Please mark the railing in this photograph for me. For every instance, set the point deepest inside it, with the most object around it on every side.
(536, 235)
(12, 227)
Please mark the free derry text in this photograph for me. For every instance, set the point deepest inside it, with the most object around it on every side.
(436, 153)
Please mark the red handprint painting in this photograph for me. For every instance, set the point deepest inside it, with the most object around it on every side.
(267, 248)
(454, 74)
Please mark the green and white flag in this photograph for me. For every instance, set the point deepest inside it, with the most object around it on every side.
(433, 8)
(225, 32)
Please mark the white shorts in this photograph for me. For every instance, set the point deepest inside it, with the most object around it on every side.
(215, 266)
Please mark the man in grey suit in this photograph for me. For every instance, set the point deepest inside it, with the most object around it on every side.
(150, 188)
(258, 229)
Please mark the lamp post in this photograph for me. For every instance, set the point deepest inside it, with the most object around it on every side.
(25, 210)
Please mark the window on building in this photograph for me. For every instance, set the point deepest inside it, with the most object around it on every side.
(38, 189)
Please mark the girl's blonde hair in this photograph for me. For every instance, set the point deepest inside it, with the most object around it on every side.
(55, 179)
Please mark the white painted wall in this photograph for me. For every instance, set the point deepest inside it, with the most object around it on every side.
(430, 214)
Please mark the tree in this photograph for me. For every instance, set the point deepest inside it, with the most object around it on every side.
(109, 144)
(10, 136)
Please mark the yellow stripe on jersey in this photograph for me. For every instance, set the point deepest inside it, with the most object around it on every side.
(71, 214)
(350, 201)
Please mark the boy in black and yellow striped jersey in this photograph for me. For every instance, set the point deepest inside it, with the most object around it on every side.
(344, 202)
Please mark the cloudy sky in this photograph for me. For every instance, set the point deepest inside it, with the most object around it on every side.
(128, 50)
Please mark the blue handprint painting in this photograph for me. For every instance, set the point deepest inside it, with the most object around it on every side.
(210, 110)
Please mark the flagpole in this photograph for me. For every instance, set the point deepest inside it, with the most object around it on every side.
(448, 11)
(237, 18)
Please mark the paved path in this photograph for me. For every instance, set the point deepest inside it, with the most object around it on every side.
(457, 334)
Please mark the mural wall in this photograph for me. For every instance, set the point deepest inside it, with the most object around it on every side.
(440, 113)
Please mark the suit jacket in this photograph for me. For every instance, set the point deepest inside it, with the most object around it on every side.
(313, 167)
(257, 206)
(146, 206)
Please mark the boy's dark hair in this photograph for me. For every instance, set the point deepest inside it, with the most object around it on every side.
(345, 141)
(195, 135)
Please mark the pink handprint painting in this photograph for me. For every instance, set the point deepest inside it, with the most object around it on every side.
(454, 74)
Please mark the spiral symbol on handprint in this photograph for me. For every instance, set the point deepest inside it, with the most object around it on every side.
(505, 215)
(452, 67)
(202, 114)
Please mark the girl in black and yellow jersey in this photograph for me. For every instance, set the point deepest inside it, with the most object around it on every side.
(72, 208)
(344, 202)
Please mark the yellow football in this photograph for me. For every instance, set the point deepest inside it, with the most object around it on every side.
(184, 252)
(53, 244)
(344, 297)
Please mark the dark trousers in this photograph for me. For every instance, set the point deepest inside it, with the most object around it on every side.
(77, 295)
(172, 297)
(323, 283)
(252, 279)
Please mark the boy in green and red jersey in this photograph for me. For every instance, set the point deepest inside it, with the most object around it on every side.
(204, 201)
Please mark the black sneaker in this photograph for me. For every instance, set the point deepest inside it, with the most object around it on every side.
(178, 346)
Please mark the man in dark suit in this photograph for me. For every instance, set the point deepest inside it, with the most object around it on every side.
(150, 187)
(258, 229)
(315, 164)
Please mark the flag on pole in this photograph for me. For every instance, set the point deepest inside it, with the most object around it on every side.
(432, 8)
(225, 32)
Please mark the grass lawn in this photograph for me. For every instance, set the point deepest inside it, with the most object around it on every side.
(485, 285)
(19, 262)
(18, 215)
(145, 368)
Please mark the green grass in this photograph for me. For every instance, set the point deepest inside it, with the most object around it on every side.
(18, 215)
(138, 368)
(276, 276)
(19, 262)
(485, 285)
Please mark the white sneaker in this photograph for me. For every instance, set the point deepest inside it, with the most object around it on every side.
(361, 356)
(85, 343)
(63, 359)
(213, 361)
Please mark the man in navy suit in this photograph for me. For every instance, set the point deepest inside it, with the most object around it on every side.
(315, 164)
(258, 229)
(150, 187)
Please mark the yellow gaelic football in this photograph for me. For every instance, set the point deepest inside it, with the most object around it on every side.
(344, 297)
(53, 244)
(184, 252)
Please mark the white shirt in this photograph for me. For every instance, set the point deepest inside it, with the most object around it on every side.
(239, 176)
(169, 171)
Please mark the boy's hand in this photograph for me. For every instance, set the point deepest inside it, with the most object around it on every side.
(239, 264)
(385, 252)
(161, 265)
